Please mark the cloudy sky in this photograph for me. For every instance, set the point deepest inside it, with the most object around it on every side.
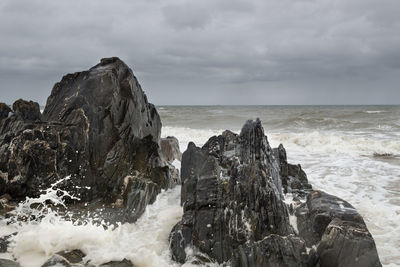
(209, 51)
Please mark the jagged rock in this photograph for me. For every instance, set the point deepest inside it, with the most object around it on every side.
(273, 251)
(231, 193)
(294, 179)
(234, 211)
(170, 148)
(97, 127)
(8, 263)
(29, 111)
(138, 194)
(4, 111)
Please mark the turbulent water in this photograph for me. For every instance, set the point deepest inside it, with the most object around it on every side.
(352, 152)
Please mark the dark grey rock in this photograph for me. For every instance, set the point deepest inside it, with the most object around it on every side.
(97, 127)
(234, 211)
(8, 263)
(347, 243)
(56, 260)
(123, 263)
(4, 111)
(318, 211)
(274, 250)
(231, 193)
(294, 179)
(27, 110)
(4, 244)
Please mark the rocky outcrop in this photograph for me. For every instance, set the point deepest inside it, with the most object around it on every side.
(231, 194)
(98, 128)
(170, 148)
(235, 211)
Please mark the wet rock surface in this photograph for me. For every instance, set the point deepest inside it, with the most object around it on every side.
(97, 127)
(337, 229)
(170, 148)
(8, 263)
(235, 191)
(75, 258)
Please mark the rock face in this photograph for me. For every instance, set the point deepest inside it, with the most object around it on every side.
(233, 197)
(170, 148)
(97, 127)
(338, 229)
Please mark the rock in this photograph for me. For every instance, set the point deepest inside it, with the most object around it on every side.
(57, 260)
(8, 263)
(123, 263)
(139, 193)
(347, 243)
(29, 111)
(4, 244)
(337, 229)
(170, 148)
(274, 250)
(318, 211)
(4, 111)
(97, 127)
(294, 179)
(231, 193)
(74, 256)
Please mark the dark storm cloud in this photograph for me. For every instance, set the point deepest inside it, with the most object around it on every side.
(209, 51)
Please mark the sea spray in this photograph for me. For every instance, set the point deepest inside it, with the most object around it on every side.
(41, 230)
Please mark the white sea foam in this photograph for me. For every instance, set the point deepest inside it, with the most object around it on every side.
(374, 111)
(145, 242)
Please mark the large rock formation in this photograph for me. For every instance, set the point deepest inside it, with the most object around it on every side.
(98, 128)
(233, 197)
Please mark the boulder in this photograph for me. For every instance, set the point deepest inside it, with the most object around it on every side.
(170, 148)
(97, 128)
(337, 229)
(318, 211)
(347, 243)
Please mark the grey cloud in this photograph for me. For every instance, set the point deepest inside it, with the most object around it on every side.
(210, 51)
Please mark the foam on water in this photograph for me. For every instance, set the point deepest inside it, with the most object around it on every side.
(145, 242)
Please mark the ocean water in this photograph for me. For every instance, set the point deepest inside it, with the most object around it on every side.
(352, 152)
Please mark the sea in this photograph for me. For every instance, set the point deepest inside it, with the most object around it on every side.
(349, 151)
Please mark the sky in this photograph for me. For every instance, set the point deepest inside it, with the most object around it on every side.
(209, 52)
